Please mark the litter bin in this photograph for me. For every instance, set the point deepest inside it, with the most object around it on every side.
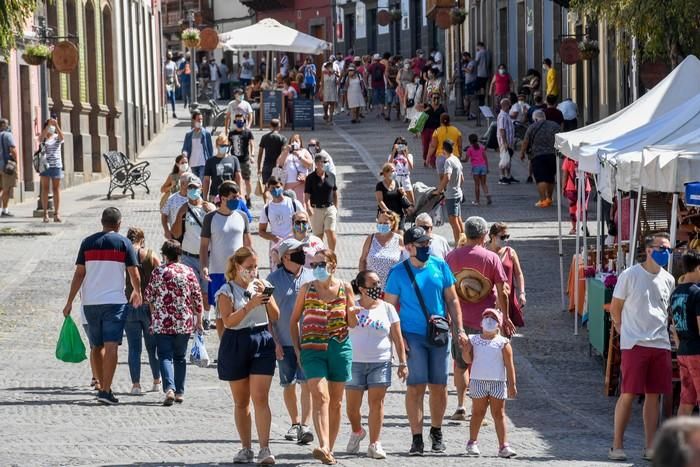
(206, 115)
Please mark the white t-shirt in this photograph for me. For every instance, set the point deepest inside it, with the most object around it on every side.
(172, 206)
(371, 342)
(488, 364)
(278, 216)
(453, 171)
(518, 111)
(439, 246)
(197, 157)
(247, 68)
(242, 107)
(568, 109)
(645, 312)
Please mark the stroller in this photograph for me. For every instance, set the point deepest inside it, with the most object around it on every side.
(427, 202)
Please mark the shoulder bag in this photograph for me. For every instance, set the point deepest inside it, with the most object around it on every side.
(438, 327)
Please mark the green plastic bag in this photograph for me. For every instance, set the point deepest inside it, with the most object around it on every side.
(70, 347)
(417, 123)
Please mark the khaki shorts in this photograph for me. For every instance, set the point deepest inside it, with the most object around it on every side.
(7, 182)
(324, 219)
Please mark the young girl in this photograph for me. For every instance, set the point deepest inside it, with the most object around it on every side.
(480, 167)
(492, 379)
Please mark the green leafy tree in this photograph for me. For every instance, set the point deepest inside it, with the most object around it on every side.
(664, 28)
(13, 18)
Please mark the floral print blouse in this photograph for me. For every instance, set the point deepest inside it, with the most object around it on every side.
(175, 296)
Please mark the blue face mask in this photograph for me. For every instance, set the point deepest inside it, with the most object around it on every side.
(232, 204)
(422, 253)
(224, 149)
(240, 123)
(383, 228)
(277, 192)
(194, 193)
(661, 257)
(321, 274)
(327, 167)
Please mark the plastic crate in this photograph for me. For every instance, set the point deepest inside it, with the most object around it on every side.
(692, 194)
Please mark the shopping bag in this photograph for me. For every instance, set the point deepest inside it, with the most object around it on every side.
(417, 123)
(70, 347)
(199, 355)
(259, 188)
(504, 160)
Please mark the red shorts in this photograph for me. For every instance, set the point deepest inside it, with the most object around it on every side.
(690, 378)
(646, 370)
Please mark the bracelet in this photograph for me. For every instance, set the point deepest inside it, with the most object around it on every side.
(403, 364)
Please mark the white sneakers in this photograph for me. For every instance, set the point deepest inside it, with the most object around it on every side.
(354, 443)
(617, 454)
(136, 391)
(473, 449)
(506, 452)
(244, 456)
(375, 451)
(265, 457)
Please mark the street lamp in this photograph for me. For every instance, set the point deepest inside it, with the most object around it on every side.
(194, 100)
(457, 20)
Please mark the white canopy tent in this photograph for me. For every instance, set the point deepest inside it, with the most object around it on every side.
(269, 35)
(669, 168)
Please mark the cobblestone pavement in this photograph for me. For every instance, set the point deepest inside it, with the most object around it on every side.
(560, 417)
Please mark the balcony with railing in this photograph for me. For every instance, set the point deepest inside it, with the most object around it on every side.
(262, 5)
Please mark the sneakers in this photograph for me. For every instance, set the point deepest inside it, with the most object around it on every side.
(354, 443)
(529, 179)
(305, 436)
(417, 446)
(7, 214)
(473, 449)
(265, 457)
(617, 454)
(244, 456)
(157, 387)
(513, 180)
(169, 398)
(506, 452)
(504, 181)
(436, 439)
(459, 415)
(543, 203)
(107, 398)
(293, 432)
(375, 451)
(136, 391)
(648, 454)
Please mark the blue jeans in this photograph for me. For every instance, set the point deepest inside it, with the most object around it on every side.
(171, 98)
(137, 322)
(172, 349)
(185, 91)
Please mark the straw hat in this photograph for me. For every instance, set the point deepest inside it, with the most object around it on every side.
(472, 286)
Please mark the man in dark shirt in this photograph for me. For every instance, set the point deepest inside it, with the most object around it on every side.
(551, 112)
(220, 168)
(538, 105)
(271, 144)
(376, 73)
(321, 201)
(242, 146)
(392, 99)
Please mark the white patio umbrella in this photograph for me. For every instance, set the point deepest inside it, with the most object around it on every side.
(270, 35)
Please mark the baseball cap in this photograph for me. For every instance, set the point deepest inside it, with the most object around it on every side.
(289, 244)
(192, 179)
(494, 313)
(415, 235)
(376, 57)
(357, 59)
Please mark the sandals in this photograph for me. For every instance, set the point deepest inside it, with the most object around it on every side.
(56, 219)
(169, 398)
(324, 456)
(95, 384)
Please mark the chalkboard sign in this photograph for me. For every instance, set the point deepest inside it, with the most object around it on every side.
(303, 114)
(271, 106)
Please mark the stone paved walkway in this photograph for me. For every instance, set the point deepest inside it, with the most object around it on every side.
(560, 417)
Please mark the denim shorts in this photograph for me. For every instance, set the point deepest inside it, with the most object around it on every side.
(86, 328)
(105, 323)
(427, 364)
(378, 96)
(52, 172)
(453, 206)
(290, 370)
(370, 375)
(479, 170)
(391, 97)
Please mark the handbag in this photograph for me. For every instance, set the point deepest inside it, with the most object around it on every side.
(504, 161)
(39, 159)
(10, 167)
(438, 327)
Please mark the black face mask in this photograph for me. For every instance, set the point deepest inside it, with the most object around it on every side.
(374, 293)
(298, 257)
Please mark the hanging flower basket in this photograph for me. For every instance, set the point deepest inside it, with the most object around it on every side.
(36, 54)
(589, 49)
(190, 37)
(396, 14)
(458, 15)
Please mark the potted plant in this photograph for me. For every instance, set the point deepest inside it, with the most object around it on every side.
(36, 54)
(190, 37)
(458, 15)
(589, 49)
(396, 14)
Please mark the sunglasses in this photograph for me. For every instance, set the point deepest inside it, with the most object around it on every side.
(300, 222)
(504, 237)
(663, 248)
(426, 227)
(320, 264)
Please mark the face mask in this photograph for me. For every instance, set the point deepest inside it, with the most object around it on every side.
(312, 148)
(321, 274)
(374, 293)
(295, 146)
(198, 125)
(406, 66)
(277, 192)
(301, 228)
(298, 257)
(522, 102)
(232, 204)
(661, 257)
(422, 253)
(224, 149)
(239, 98)
(489, 324)
(52, 129)
(239, 123)
(393, 175)
(184, 167)
(194, 194)
(327, 167)
(248, 274)
(500, 242)
(383, 228)
(501, 71)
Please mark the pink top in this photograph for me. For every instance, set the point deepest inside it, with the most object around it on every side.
(477, 157)
(502, 84)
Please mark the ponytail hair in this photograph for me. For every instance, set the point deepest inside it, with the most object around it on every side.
(239, 257)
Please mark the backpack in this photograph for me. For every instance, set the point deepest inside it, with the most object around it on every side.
(377, 73)
(267, 208)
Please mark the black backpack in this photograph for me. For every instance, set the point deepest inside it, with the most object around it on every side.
(377, 73)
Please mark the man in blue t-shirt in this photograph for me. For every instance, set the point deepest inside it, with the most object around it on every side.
(103, 260)
(427, 364)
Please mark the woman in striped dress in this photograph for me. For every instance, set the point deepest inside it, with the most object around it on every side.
(52, 167)
(324, 310)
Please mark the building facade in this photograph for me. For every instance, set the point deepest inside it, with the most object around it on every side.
(111, 101)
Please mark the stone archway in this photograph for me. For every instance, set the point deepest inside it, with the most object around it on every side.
(109, 77)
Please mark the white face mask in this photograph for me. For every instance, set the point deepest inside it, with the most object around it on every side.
(184, 167)
(489, 324)
(502, 71)
(198, 125)
(295, 146)
(51, 129)
(248, 274)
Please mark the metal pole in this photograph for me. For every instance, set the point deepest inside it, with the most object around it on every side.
(620, 259)
(459, 108)
(633, 238)
(634, 68)
(194, 100)
(598, 228)
(633, 208)
(577, 257)
(674, 228)
(561, 248)
(44, 103)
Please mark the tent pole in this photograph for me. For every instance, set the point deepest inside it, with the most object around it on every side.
(584, 218)
(598, 228)
(577, 257)
(561, 249)
(674, 229)
(633, 238)
(620, 260)
(633, 207)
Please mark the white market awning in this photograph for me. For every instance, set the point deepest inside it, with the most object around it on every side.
(269, 35)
